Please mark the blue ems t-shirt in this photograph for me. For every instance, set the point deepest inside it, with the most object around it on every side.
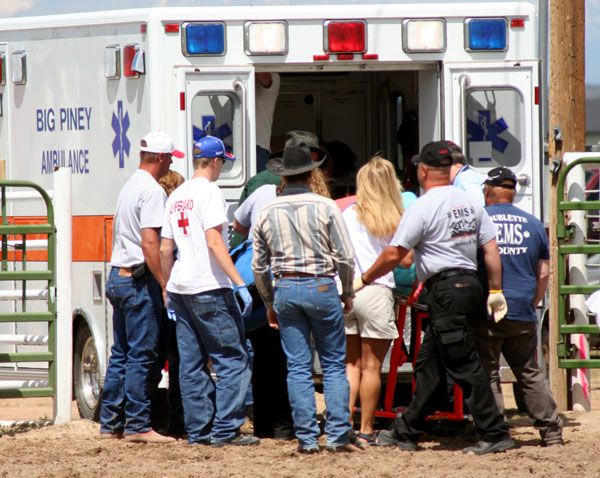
(522, 243)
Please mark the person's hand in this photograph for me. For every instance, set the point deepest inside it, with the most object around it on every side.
(496, 306)
(272, 318)
(348, 302)
(358, 283)
(244, 295)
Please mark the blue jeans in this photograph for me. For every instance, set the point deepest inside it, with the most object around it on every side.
(137, 310)
(304, 306)
(209, 325)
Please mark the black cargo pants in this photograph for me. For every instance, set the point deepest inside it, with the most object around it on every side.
(455, 304)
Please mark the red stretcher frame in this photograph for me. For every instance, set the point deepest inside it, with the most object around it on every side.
(399, 357)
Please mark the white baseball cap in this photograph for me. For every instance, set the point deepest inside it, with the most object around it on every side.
(160, 142)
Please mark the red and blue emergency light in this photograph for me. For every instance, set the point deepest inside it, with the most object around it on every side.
(345, 36)
(485, 34)
(204, 39)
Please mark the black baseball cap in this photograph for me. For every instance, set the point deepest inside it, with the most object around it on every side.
(501, 177)
(436, 154)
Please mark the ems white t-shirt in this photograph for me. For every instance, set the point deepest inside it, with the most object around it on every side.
(247, 213)
(140, 204)
(264, 105)
(366, 247)
(193, 208)
(445, 227)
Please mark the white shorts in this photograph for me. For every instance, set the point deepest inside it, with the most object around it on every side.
(373, 315)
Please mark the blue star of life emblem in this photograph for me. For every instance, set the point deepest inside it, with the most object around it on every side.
(120, 125)
(485, 130)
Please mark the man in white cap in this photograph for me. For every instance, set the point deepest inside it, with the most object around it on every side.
(200, 293)
(134, 288)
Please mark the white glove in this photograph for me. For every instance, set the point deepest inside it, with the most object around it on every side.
(496, 306)
(358, 284)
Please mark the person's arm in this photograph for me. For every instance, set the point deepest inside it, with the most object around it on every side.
(264, 79)
(387, 260)
(261, 265)
(493, 264)
(218, 249)
(237, 227)
(151, 251)
(342, 252)
(167, 253)
(408, 259)
(543, 274)
(167, 249)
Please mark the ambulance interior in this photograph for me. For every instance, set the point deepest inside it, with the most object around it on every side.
(355, 114)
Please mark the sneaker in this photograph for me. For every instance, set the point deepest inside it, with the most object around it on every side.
(553, 441)
(345, 448)
(391, 438)
(111, 435)
(483, 447)
(309, 450)
(239, 440)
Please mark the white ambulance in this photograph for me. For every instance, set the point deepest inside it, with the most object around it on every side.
(80, 90)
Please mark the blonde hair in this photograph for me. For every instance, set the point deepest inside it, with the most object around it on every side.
(378, 197)
(171, 181)
(317, 182)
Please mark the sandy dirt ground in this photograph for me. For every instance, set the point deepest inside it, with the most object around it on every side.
(75, 450)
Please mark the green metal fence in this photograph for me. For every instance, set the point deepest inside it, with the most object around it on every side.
(23, 276)
(565, 248)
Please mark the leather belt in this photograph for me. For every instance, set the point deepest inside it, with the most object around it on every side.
(125, 271)
(446, 274)
(301, 275)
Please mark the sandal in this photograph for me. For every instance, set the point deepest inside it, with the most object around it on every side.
(369, 439)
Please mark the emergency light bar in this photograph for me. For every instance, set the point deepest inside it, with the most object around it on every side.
(2, 69)
(203, 39)
(133, 61)
(265, 38)
(112, 62)
(345, 36)
(424, 36)
(18, 67)
(485, 34)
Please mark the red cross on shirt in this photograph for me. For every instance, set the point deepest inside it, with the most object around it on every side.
(183, 223)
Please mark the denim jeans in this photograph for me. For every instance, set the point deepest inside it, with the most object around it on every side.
(137, 310)
(304, 306)
(209, 325)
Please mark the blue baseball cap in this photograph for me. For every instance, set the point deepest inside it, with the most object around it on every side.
(211, 147)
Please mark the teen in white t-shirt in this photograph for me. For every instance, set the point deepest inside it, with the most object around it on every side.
(193, 208)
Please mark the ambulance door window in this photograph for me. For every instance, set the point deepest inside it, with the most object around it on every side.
(495, 127)
(219, 115)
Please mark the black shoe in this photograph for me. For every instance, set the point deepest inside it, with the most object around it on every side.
(239, 440)
(482, 447)
(553, 441)
(309, 450)
(284, 435)
(391, 438)
(200, 443)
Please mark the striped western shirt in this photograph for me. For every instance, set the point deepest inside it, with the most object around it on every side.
(301, 232)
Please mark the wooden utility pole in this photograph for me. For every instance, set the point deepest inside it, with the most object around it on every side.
(566, 133)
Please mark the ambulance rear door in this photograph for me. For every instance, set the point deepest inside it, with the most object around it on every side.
(492, 112)
(220, 101)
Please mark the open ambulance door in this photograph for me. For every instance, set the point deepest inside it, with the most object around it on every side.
(219, 101)
(492, 112)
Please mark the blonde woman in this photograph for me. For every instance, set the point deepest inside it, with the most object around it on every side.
(370, 326)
